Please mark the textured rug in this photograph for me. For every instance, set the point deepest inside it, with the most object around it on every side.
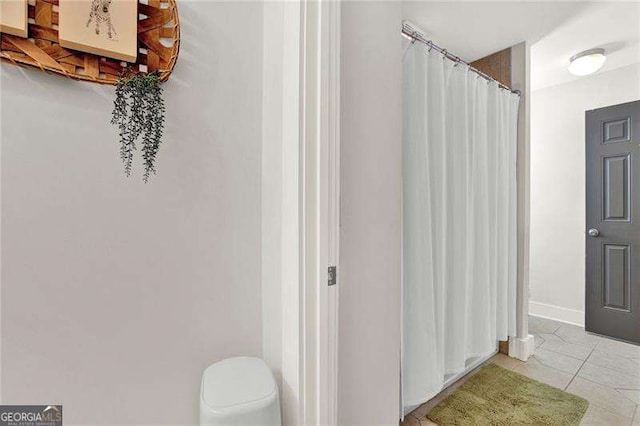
(499, 397)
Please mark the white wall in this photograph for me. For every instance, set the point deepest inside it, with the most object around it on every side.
(369, 284)
(557, 278)
(116, 294)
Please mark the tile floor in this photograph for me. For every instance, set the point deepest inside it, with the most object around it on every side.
(603, 371)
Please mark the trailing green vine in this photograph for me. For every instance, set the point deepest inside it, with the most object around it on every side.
(138, 111)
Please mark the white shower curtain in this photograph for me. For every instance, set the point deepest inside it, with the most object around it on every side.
(459, 220)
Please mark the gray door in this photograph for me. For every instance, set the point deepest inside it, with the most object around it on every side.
(613, 221)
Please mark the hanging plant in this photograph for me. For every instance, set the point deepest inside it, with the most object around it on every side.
(138, 112)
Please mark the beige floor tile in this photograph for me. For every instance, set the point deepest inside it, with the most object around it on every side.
(609, 380)
(505, 361)
(632, 395)
(557, 344)
(558, 361)
(596, 416)
(622, 349)
(538, 339)
(410, 420)
(574, 334)
(543, 325)
(615, 362)
(608, 377)
(537, 371)
(602, 396)
(422, 410)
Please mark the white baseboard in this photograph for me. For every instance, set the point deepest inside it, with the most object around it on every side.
(557, 313)
(522, 349)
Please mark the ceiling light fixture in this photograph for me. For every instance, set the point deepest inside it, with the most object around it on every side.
(587, 62)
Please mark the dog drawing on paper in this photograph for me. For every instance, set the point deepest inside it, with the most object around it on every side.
(100, 12)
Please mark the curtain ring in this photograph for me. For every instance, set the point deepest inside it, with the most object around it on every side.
(444, 54)
(430, 43)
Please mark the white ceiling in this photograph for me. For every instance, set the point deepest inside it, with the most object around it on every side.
(612, 26)
(556, 31)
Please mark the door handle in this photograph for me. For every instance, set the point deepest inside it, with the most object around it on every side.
(593, 232)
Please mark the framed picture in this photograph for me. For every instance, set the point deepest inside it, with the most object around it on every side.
(14, 17)
(107, 28)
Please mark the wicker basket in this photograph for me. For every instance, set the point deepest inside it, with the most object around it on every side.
(42, 50)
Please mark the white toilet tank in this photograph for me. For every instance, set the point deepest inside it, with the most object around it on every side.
(239, 391)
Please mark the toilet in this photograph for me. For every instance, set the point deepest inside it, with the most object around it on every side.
(239, 391)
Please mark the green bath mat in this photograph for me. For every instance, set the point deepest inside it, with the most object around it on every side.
(498, 397)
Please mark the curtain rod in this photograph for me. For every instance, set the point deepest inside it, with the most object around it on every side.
(412, 32)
